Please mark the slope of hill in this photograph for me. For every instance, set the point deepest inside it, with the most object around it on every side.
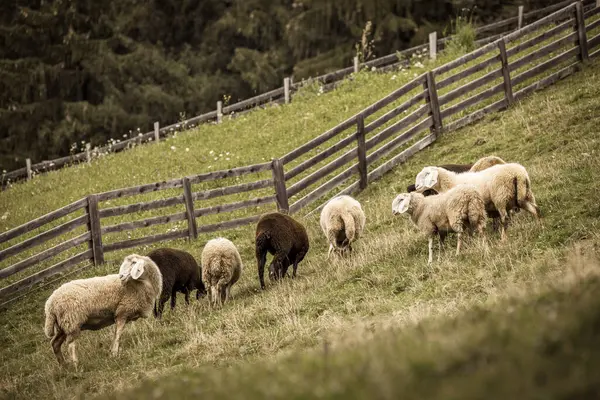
(386, 286)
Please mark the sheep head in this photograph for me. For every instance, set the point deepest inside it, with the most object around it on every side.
(426, 179)
(132, 268)
(401, 203)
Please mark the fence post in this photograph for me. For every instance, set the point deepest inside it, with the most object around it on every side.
(94, 228)
(433, 45)
(520, 23)
(597, 3)
(361, 150)
(279, 184)
(28, 165)
(581, 34)
(286, 90)
(508, 93)
(434, 105)
(219, 111)
(356, 65)
(88, 154)
(189, 208)
(156, 132)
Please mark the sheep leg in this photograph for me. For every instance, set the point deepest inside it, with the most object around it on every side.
(458, 240)
(173, 299)
(227, 291)
(330, 250)
(430, 259)
(261, 260)
(503, 223)
(70, 342)
(120, 325)
(161, 305)
(278, 264)
(56, 343)
(186, 292)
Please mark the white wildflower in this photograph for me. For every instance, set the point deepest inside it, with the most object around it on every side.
(187, 149)
(227, 158)
(173, 148)
(393, 77)
(373, 69)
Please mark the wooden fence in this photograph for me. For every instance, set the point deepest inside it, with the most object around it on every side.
(360, 149)
(280, 95)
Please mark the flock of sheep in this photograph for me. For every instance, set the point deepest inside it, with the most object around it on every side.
(448, 198)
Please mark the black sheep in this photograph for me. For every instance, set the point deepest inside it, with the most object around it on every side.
(180, 273)
(283, 237)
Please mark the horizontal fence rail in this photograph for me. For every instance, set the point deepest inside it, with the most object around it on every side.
(357, 151)
(278, 95)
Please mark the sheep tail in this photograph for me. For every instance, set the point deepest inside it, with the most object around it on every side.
(349, 226)
(50, 325)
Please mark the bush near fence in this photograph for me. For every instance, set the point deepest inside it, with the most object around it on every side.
(408, 119)
(490, 33)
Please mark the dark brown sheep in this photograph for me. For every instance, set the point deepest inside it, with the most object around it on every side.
(283, 237)
(180, 273)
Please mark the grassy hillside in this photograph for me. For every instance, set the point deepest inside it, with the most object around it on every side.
(423, 323)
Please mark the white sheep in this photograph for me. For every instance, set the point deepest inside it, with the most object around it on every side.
(485, 163)
(342, 221)
(221, 268)
(98, 302)
(453, 211)
(502, 187)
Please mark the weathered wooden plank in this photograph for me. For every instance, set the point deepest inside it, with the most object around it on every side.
(323, 189)
(464, 59)
(542, 52)
(508, 93)
(539, 38)
(546, 10)
(581, 32)
(396, 94)
(95, 230)
(254, 101)
(595, 53)
(303, 166)
(468, 72)
(477, 115)
(549, 80)
(135, 190)
(138, 207)
(127, 226)
(473, 100)
(592, 12)
(222, 208)
(43, 220)
(51, 252)
(402, 157)
(595, 41)
(361, 151)
(48, 272)
(398, 126)
(234, 223)
(395, 112)
(500, 24)
(593, 25)
(233, 189)
(279, 185)
(399, 141)
(126, 244)
(474, 84)
(189, 208)
(555, 16)
(230, 173)
(44, 237)
(551, 63)
(321, 173)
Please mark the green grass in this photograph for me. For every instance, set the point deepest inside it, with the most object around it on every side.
(393, 325)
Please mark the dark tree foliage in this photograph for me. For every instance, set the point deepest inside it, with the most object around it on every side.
(74, 71)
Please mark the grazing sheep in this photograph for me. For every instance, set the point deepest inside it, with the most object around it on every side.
(221, 268)
(342, 222)
(285, 238)
(458, 168)
(180, 273)
(484, 163)
(95, 303)
(453, 211)
(502, 187)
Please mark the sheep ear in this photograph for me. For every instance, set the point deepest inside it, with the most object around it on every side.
(403, 206)
(426, 179)
(137, 270)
